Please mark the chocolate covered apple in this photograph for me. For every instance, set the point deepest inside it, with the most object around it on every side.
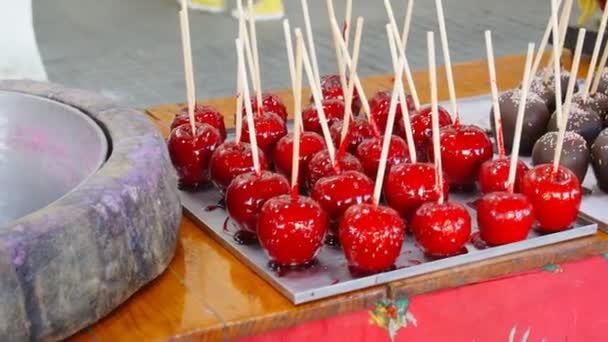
(575, 154)
(581, 120)
(599, 160)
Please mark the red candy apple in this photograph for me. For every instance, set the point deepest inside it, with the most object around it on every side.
(556, 197)
(369, 152)
(270, 103)
(358, 130)
(190, 154)
(331, 88)
(230, 160)
(408, 186)
(441, 229)
(292, 230)
(333, 109)
(421, 125)
(269, 128)
(503, 217)
(248, 192)
(371, 237)
(493, 175)
(379, 105)
(463, 150)
(310, 144)
(320, 166)
(202, 114)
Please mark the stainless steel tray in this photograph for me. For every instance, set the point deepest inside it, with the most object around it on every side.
(330, 276)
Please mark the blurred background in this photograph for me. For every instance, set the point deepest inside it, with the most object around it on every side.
(130, 50)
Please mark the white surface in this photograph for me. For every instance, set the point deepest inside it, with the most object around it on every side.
(20, 55)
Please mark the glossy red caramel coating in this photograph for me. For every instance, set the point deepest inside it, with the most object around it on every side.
(333, 109)
(441, 229)
(463, 150)
(270, 103)
(503, 217)
(358, 131)
(291, 231)
(369, 152)
(408, 186)
(371, 237)
(190, 155)
(248, 192)
(422, 126)
(202, 114)
(320, 166)
(310, 144)
(556, 198)
(230, 160)
(331, 89)
(269, 128)
(335, 194)
(379, 105)
(494, 174)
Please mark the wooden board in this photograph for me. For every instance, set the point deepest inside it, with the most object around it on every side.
(206, 294)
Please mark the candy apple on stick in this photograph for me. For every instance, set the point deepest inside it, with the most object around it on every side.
(291, 228)
(191, 144)
(441, 228)
(504, 216)
(248, 192)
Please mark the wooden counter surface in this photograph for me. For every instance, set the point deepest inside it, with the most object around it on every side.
(207, 294)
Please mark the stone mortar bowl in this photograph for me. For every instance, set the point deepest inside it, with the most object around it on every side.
(76, 244)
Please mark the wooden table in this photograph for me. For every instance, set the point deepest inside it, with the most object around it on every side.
(207, 294)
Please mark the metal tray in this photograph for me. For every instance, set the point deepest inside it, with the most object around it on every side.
(331, 276)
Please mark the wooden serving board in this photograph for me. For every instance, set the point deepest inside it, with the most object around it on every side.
(207, 294)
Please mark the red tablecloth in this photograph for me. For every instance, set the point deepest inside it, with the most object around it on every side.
(556, 303)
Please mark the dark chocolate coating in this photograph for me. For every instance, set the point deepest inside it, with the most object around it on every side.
(582, 121)
(544, 86)
(536, 118)
(597, 102)
(603, 85)
(575, 153)
(599, 160)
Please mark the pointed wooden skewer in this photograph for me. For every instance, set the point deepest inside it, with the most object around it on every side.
(289, 47)
(448, 62)
(570, 92)
(599, 71)
(435, 115)
(401, 47)
(543, 45)
(297, 122)
(407, 23)
(244, 36)
(348, 96)
(256, 58)
(188, 68)
(311, 40)
(556, 63)
(239, 106)
(500, 143)
(403, 100)
(250, 123)
(520, 118)
(337, 40)
(347, 19)
(318, 100)
(596, 53)
(564, 20)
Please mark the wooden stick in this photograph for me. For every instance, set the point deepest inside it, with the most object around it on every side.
(388, 132)
(520, 118)
(250, 122)
(430, 36)
(402, 98)
(318, 99)
(401, 47)
(297, 122)
(183, 20)
(543, 45)
(563, 21)
(599, 71)
(244, 35)
(564, 117)
(238, 127)
(256, 58)
(337, 40)
(596, 54)
(348, 97)
(494, 87)
(448, 62)
(407, 23)
(311, 41)
(556, 62)
(347, 19)
(349, 63)
(289, 46)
